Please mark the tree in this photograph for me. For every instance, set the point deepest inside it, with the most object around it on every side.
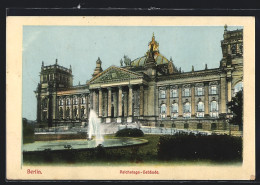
(236, 106)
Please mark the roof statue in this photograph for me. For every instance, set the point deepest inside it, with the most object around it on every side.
(127, 60)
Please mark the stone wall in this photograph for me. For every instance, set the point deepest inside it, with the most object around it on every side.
(49, 137)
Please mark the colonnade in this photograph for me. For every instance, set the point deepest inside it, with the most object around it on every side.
(118, 99)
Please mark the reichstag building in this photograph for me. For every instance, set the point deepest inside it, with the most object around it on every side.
(149, 90)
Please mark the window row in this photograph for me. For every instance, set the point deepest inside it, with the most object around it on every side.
(74, 101)
(75, 112)
(187, 109)
(51, 77)
(199, 91)
(213, 126)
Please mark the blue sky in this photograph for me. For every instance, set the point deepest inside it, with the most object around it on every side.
(80, 46)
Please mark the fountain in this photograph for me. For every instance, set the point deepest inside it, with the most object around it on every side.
(94, 138)
(95, 128)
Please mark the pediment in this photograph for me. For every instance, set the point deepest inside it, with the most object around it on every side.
(115, 74)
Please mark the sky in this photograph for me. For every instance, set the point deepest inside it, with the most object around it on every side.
(80, 47)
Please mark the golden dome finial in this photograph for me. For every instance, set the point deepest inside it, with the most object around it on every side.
(153, 44)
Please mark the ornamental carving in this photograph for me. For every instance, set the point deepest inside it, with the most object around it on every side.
(162, 88)
(199, 85)
(115, 75)
(213, 83)
(186, 86)
(174, 87)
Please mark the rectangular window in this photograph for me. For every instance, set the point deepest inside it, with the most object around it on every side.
(199, 91)
(186, 92)
(162, 94)
(213, 90)
(174, 93)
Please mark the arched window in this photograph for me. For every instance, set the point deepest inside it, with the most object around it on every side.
(174, 110)
(75, 111)
(186, 110)
(214, 109)
(75, 101)
(163, 111)
(61, 102)
(200, 109)
(67, 112)
(187, 107)
(213, 106)
(83, 100)
(44, 78)
(162, 94)
(163, 108)
(61, 113)
(174, 93)
(44, 103)
(82, 111)
(68, 101)
(238, 87)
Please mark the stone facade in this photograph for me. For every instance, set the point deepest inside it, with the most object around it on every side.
(149, 90)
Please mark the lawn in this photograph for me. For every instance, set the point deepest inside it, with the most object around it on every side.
(134, 155)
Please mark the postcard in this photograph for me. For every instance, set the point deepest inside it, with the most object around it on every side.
(130, 98)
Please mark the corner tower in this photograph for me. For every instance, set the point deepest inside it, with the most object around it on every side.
(52, 78)
(232, 47)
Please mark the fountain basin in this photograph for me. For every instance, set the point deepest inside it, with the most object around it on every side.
(81, 144)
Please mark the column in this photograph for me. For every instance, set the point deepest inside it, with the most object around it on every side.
(206, 99)
(87, 105)
(223, 94)
(109, 102)
(141, 109)
(229, 90)
(130, 103)
(38, 108)
(180, 102)
(119, 104)
(100, 102)
(115, 98)
(168, 101)
(79, 106)
(94, 101)
(125, 104)
(109, 95)
(192, 100)
(71, 107)
(64, 107)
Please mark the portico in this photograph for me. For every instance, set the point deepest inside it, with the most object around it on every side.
(117, 98)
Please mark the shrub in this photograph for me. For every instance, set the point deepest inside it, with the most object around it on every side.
(129, 132)
(194, 147)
